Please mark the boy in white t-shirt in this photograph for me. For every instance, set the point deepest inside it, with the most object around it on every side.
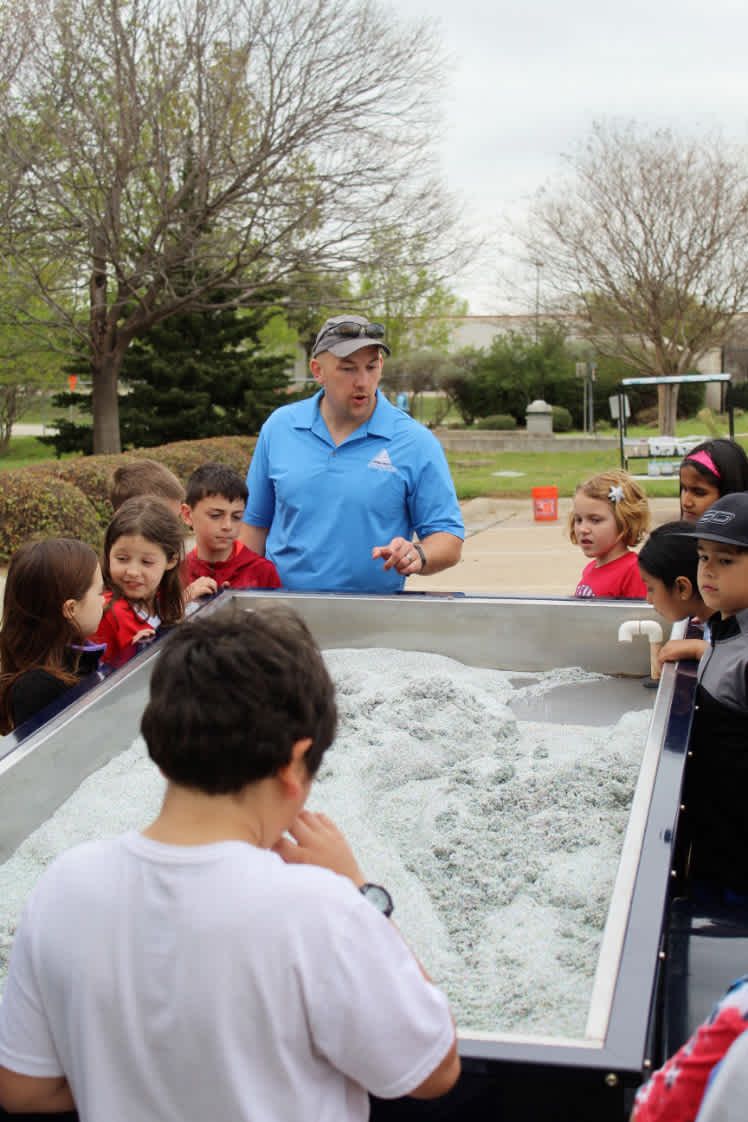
(210, 967)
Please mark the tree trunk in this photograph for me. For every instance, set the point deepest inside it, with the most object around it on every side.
(8, 415)
(105, 355)
(667, 401)
(104, 370)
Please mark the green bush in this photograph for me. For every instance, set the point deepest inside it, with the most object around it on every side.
(70, 498)
(33, 504)
(562, 419)
(93, 476)
(497, 421)
(183, 456)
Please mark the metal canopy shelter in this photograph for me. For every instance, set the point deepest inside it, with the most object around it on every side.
(683, 379)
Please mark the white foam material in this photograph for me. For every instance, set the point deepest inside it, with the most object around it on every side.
(498, 839)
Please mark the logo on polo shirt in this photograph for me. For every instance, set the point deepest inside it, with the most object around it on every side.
(382, 462)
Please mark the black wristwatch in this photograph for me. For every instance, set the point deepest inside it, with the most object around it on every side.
(379, 897)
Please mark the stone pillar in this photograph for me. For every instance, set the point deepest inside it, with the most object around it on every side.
(539, 416)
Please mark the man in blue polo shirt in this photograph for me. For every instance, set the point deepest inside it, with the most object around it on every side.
(339, 483)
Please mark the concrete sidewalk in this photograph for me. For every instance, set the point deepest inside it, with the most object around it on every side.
(507, 551)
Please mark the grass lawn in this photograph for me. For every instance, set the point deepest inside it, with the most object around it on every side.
(25, 450)
(694, 427)
(475, 473)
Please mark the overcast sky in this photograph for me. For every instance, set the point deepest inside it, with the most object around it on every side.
(529, 79)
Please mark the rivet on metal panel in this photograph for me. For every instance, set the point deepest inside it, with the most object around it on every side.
(611, 1079)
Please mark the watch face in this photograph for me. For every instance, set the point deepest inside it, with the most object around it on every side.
(379, 897)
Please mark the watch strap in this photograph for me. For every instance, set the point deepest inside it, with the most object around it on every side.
(379, 897)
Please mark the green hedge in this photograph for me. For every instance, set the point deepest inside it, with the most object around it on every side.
(562, 420)
(497, 422)
(43, 507)
(183, 456)
(70, 498)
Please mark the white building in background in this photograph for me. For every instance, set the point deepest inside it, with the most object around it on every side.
(480, 331)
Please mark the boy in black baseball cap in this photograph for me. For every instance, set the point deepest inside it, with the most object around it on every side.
(722, 533)
(717, 774)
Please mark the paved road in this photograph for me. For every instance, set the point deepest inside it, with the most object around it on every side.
(31, 430)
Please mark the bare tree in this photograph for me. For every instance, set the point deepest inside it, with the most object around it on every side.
(418, 311)
(240, 142)
(647, 241)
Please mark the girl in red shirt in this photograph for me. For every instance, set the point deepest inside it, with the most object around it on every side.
(610, 515)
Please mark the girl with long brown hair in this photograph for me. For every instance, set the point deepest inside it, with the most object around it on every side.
(142, 552)
(54, 597)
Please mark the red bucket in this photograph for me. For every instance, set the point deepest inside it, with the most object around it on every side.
(545, 504)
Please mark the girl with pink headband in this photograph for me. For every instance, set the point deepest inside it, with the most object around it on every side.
(712, 469)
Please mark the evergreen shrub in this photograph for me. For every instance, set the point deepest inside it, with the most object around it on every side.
(70, 498)
(562, 419)
(33, 504)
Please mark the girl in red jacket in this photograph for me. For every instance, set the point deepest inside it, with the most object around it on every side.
(142, 552)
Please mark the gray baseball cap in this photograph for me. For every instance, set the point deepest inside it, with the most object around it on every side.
(726, 520)
(342, 335)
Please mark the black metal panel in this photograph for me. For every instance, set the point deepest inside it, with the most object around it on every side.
(485, 1093)
(707, 951)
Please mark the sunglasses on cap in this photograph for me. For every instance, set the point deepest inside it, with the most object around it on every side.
(350, 330)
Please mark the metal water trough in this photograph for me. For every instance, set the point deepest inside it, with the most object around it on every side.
(505, 1077)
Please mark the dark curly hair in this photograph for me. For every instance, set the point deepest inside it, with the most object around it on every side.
(230, 698)
(215, 479)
